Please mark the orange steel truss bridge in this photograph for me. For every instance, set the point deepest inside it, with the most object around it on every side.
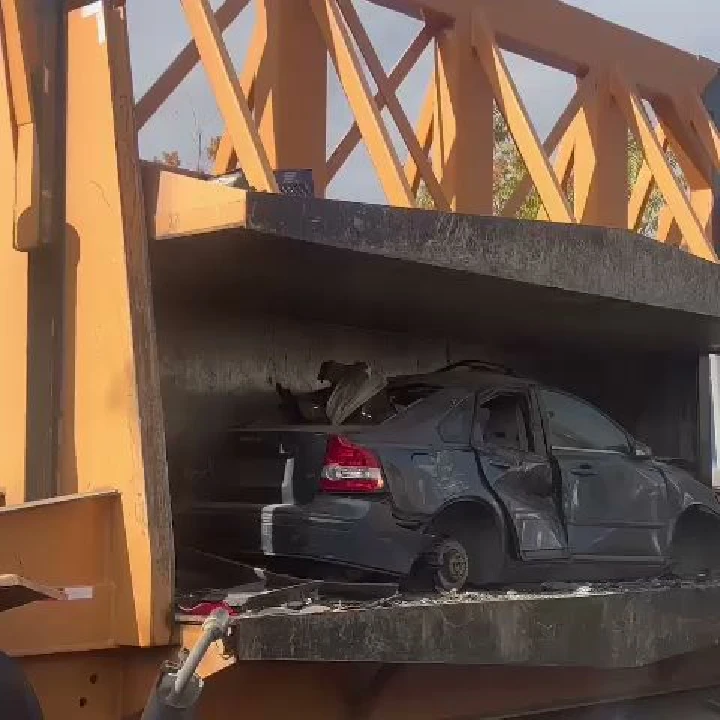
(450, 149)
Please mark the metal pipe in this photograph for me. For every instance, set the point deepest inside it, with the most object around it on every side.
(177, 690)
(214, 628)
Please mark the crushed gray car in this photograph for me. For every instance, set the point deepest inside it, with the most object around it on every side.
(467, 475)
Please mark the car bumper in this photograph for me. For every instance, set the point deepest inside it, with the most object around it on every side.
(347, 531)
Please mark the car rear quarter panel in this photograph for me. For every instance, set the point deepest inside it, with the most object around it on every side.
(424, 473)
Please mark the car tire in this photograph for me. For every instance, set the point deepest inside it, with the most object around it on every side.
(694, 550)
(17, 698)
(451, 565)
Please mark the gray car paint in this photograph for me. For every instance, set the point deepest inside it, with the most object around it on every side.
(624, 511)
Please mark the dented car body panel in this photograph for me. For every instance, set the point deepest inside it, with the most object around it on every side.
(572, 494)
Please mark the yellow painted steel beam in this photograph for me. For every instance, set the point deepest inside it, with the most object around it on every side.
(13, 313)
(291, 89)
(229, 95)
(226, 158)
(694, 162)
(407, 62)
(554, 138)
(112, 418)
(425, 132)
(181, 66)
(564, 37)
(19, 25)
(396, 111)
(367, 115)
(19, 67)
(601, 161)
(516, 116)
(178, 205)
(463, 138)
(690, 226)
(76, 544)
(27, 189)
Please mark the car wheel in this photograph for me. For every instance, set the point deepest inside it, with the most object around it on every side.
(17, 698)
(694, 551)
(451, 564)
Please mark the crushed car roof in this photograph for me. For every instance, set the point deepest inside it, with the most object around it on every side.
(463, 377)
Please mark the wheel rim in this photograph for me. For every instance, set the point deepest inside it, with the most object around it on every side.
(453, 566)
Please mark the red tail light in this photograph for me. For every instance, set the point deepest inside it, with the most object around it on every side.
(350, 469)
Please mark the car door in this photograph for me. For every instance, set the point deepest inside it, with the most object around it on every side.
(614, 502)
(518, 471)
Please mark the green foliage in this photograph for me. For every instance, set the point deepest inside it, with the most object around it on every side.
(509, 169)
(170, 158)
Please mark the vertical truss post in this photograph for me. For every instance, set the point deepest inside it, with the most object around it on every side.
(711, 99)
(13, 311)
(601, 161)
(113, 426)
(463, 124)
(291, 89)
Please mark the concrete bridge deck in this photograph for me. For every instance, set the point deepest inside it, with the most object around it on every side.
(473, 277)
(630, 626)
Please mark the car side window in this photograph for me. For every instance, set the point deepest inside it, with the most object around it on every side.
(503, 421)
(575, 424)
(455, 426)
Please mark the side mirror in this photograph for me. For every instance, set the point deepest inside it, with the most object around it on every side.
(642, 451)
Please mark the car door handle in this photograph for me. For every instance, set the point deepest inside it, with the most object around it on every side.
(583, 470)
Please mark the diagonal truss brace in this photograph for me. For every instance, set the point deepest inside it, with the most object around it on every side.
(398, 114)
(226, 158)
(526, 138)
(639, 122)
(553, 140)
(406, 63)
(229, 95)
(181, 66)
(354, 83)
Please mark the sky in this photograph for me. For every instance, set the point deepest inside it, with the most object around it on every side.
(158, 31)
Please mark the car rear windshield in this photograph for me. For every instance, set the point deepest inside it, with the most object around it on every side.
(388, 403)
